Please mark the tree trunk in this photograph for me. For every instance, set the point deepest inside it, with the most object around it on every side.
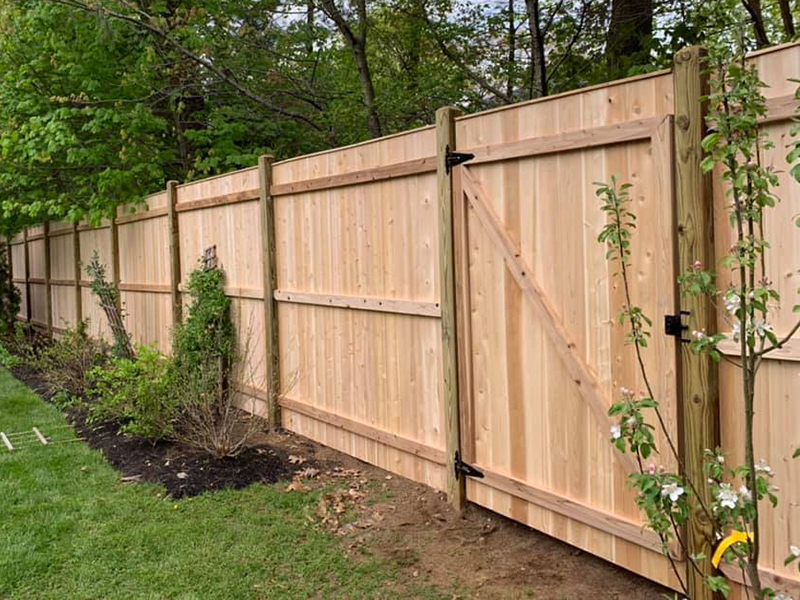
(538, 87)
(358, 44)
(753, 8)
(786, 16)
(512, 49)
(360, 55)
(629, 32)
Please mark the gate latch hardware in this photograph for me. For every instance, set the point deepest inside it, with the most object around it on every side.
(464, 469)
(673, 325)
(452, 159)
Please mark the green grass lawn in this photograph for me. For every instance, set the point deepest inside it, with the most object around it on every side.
(70, 530)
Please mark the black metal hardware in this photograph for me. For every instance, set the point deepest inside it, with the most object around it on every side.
(451, 159)
(464, 469)
(673, 325)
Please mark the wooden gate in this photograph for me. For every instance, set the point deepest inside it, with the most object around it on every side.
(541, 353)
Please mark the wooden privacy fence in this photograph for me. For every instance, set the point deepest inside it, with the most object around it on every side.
(438, 319)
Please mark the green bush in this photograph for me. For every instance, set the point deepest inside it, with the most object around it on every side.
(136, 392)
(207, 335)
(8, 360)
(66, 361)
(9, 296)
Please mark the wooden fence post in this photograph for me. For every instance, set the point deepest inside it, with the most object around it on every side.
(270, 284)
(698, 379)
(174, 254)
(27, 275)
(48, 289)
(115, 275)
(76, 259)
(446, 139)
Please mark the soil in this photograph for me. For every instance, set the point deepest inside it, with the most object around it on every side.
(183, 471)
(475, 554)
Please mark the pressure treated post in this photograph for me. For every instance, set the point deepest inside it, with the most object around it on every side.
(698, 379)
(76, 259)
(446, 139)
(174, 254)
(115, 274)
(48, 299)
(270, 285)
(27, 257)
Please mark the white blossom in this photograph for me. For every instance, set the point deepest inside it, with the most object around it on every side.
(727, 496)
(745, 494)
(699, 335)
(761, 327)
(732, 302)
(763, 467)
(782, 597)
(737, 330)
(631, 421)
(616, 432)
(795, 551)
(673, 490)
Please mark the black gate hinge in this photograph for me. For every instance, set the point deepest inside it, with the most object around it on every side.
(452, 159)
(464, 469)
(673, 325)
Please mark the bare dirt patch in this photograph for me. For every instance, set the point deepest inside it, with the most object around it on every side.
(477, 554)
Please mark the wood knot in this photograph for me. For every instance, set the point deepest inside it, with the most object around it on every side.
(697, 399)
(683, 56)
(683, 122)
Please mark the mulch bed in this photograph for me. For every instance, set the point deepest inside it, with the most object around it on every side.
(182, 470)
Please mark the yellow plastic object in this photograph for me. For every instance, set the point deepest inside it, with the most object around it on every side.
(735, 537)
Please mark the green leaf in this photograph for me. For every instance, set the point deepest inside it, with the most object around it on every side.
(708, 164)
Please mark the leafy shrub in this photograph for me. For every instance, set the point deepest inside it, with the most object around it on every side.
(8, 360)
(207, 335)
(65, 363)
(205, 363)
(9, 297)
(210, 418)
(136, 392)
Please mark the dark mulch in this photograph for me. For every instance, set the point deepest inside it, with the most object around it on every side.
(182, 470)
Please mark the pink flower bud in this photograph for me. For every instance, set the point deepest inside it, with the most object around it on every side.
(697, 265)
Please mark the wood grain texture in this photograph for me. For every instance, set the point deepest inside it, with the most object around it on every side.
(564, 142)
(403, 169)
(582, 376)
(76, 270)
(446, 140)
(409, 446)
(699, 391)
(388, 305)
(174, 254)
(48, 295)
(269, 285)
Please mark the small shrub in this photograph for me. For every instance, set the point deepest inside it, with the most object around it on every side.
(108, 295)
(136, 392)
(9, 297)
(207, 333)
(210, 418)
(66, 362)
(8, 360)
(205, 363)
